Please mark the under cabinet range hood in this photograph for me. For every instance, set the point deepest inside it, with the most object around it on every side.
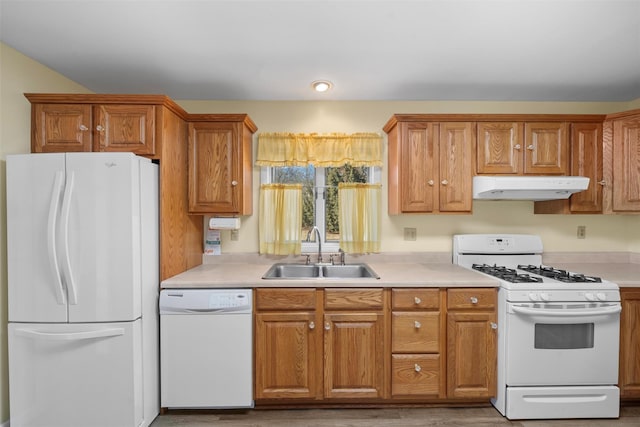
(536, 188)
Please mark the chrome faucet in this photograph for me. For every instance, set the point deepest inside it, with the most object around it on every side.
(318, 239)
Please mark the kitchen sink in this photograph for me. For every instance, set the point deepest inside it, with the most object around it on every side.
(310, 271)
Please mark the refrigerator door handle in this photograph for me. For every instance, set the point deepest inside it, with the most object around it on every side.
(66, 262)
(71, 336)
(52, 219)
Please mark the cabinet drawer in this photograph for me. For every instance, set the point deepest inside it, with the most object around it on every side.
(481, 298)
(415, 332)
(415, 374)
(286, 299)
(415, 299)
(337, 299)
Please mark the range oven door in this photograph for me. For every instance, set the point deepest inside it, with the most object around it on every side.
(562, 344)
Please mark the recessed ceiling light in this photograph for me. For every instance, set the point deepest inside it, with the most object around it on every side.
(321, 85)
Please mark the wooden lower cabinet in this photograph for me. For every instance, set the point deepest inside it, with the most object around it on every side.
(630, 343)
(374, 346)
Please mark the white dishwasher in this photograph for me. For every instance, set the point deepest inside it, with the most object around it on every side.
(206, 350)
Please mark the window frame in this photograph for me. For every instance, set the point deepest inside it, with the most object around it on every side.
(332, 246)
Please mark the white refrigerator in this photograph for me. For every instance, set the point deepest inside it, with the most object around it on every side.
(82, 248)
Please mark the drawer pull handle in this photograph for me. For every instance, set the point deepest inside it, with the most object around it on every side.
(417, 367)
(327, 326)
(494, 325)
(444, 182)
(83, 128)
(417, 324)
(312, 325)
(473, 300)
(517, 146)
(430, 182)
(234, 183)
(530, 147)
(99, 128)
(417, 300)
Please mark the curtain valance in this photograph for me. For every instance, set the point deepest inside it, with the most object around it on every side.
(330, 150)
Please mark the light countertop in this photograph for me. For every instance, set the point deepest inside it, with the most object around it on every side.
(395, 270)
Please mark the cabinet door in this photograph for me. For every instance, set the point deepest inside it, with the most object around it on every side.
(125, 128)
(471, 355)
(288, 356)
(499, 147)
(457, 148)
(626, 164)
(546, 148)
(586, 160)
(419, 169)
(60, 128)
(354, 355)
(214, 172)
(630, 343)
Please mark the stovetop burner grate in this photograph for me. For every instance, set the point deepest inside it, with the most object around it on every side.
(559, 274)
(504, 273)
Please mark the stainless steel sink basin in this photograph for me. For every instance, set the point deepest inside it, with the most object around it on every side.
(292, 271)
(349, 271)
(304, 271)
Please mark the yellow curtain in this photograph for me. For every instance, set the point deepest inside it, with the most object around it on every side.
(359, 218)
(332, 150)
(280, 222)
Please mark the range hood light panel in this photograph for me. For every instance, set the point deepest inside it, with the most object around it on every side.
(536, 188)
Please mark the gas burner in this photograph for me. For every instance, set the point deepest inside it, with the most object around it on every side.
(507, 274)
(559, 274)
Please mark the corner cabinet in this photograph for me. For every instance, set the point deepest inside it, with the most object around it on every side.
(220, 164)
(622, 162)
(431, 165)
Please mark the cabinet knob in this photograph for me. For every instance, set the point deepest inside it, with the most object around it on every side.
(234, 183)
(444, 182)
(417, 300)
(99, 128)
(417, 367)
(494, 325)
(517, 146)
(83, 128)
(603, 182)
(312, 325)
(417, 324)
(327, 326)
(530, 147)
(473, 300)
(430, 182)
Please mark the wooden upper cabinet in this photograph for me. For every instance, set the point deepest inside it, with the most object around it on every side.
(536, 148)
(586, 160)
(125, 128)
(457, 148)
(86, 127)
(430, 166)
(60, 128)
(546, 148)
(499, 147)
(220, 165)
(626, 164)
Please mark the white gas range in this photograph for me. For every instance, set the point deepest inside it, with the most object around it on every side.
(558, 331)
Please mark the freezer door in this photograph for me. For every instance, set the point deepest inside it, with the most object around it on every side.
(74, 375)
(101, 219)
(35, 184)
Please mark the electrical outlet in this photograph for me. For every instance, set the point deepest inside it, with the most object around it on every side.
(410, 233)
(582, 232)
(234, 234)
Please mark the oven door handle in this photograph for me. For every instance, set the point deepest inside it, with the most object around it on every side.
(568, 313)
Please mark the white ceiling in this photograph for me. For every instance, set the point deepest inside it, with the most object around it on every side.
(522, 50)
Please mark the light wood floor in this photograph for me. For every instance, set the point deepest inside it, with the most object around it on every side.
(395, 417)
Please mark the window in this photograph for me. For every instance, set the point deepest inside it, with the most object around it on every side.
(320, 197)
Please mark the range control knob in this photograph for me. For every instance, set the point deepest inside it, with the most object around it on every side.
(533, 296)
(545, 296)
(601, 296)
(589, 296)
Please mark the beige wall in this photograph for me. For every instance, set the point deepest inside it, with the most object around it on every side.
(19, 74)
(607, 233)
